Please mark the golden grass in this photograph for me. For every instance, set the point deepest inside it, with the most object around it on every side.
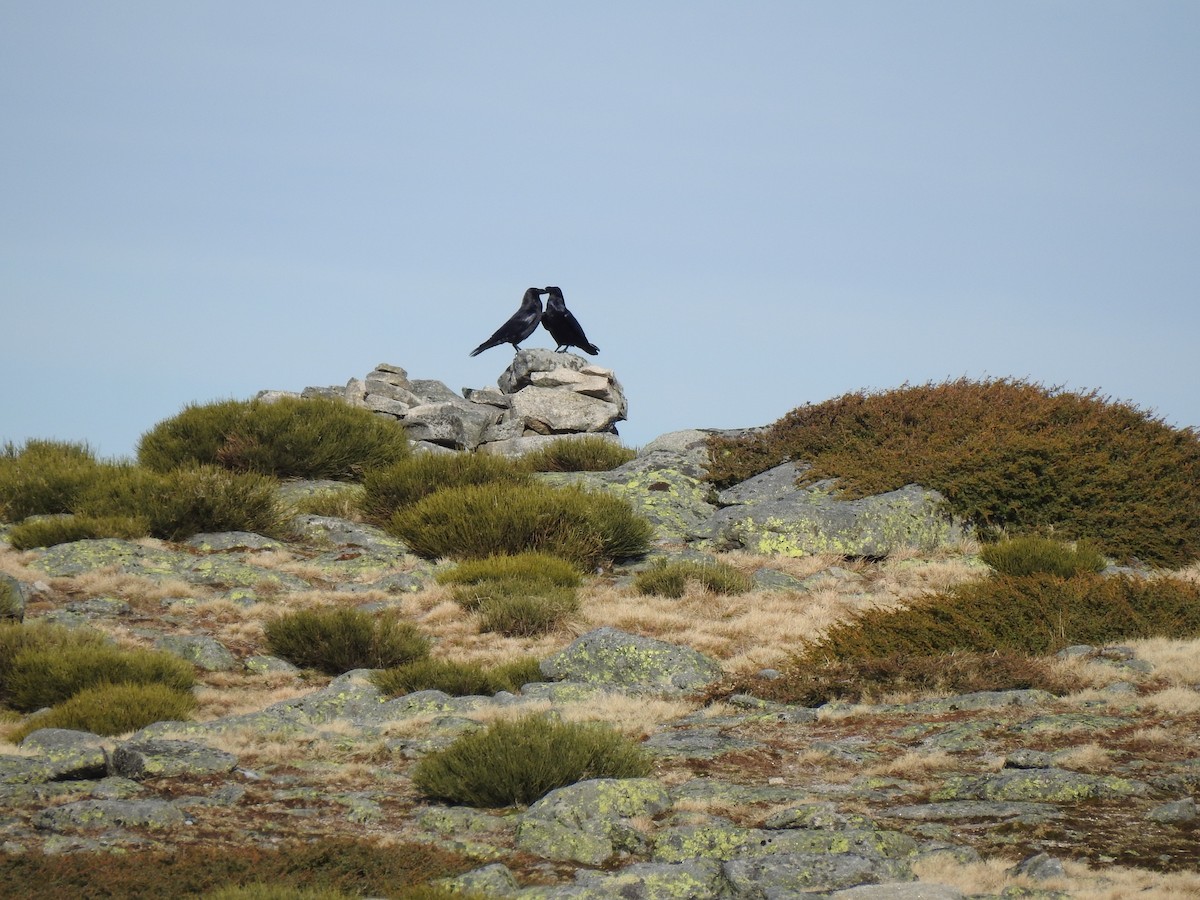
(916, 765)
(1080, 881)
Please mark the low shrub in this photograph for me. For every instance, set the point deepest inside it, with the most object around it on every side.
(585, 454)
(46, 677)
(1027, 554)
(669, 578)
(873, 679)
(17, 638)
(524, 568)
(522, 760)
(1035, 614)
(46, 532)
(458, 679)
(338, 640)
(109, 709)
(409, 480)
(497, 518)
(43, 478)
(527, 615)
(344, 502)
(288, 437)
(353, 867)
(185, 501)
(1007, 456)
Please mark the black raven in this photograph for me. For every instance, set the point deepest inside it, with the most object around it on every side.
(520, 326)
(563, 326)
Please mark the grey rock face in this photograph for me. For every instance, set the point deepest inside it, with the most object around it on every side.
(164, 759)
(105, 815)
(610, 656)
(767, 518)
(201, 651)
(67, 755)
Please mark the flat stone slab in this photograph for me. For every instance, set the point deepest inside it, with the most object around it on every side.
(610, 656)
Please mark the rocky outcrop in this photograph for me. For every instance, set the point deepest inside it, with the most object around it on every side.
(769, 514)
(543, 395)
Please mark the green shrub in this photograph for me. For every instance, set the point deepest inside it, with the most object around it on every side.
(527, 615)
(1035, 614)
(113, 709)
(46, 677)
(458, 679)
(520, 761)
(344, 502)
(289, 437)
(669, 578)
(409, 480)
(43, 478)
(524, 568)
(339, 640)
(187, 501)
(1007, 455)
(492, 519)
(17, 638)
(46, 532)
(585, 454)
(1028, 554)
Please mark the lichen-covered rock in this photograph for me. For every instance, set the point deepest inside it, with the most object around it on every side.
(78, 557)
(688, 880)
(665, 488)
(610, 656)
(200, 650)
(811, 520)
(168, 759)
(104, 815)
(587, 822)
(67, 755)
(796, 874)
(720, 839)
(695, 743)
(1038, 785)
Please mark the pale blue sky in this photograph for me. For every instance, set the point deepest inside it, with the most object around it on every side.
(749, 206)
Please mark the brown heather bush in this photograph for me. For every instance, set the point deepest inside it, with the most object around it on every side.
(1034, 614)
(872, 679)
(1007, 455)
(289, 437)
(354, 868)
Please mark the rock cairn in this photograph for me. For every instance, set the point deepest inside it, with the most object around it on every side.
(541, 397)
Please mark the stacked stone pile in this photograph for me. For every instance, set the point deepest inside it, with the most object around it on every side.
(542, 396)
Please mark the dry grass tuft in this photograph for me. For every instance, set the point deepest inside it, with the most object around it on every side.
(1081, 881)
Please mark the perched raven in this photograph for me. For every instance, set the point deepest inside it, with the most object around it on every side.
(563, 326)
(520, 326)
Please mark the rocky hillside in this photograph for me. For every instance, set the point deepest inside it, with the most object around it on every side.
(1012, 793)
